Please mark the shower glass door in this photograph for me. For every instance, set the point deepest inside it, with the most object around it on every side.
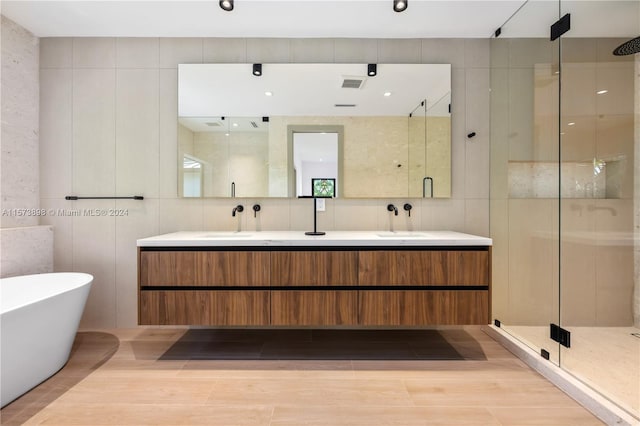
(525, 183)
(600, 199)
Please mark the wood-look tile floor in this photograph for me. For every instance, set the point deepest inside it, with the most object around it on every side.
(452, 376)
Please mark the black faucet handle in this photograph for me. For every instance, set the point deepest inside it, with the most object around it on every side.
(239, 208)
(392, 208)
(256, 208)
(407, 207)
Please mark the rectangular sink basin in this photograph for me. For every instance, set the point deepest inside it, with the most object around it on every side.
(223, 235)
(401, 235)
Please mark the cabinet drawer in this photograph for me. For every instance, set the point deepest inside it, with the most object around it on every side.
(183, 268)
(232, 268)
(167, 268)
(311, 307)
(423, 307)
(423, 268)
(197, 307)
(314, 268)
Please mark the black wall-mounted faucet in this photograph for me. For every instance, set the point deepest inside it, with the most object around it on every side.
(407, 207)
(256, 208)
(239, 208)
(392, 208)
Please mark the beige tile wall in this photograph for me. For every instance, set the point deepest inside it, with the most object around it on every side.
(109, 106)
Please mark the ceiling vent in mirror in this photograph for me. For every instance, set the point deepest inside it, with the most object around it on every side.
(345, 105)
(212, 124)
(353, 82)
(254, 124)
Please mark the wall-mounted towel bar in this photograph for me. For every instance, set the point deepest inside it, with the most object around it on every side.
(75, 197)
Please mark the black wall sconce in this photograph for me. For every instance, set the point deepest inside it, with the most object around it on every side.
(372, 70)
(400, 5)
(226, 5)
(257, 70)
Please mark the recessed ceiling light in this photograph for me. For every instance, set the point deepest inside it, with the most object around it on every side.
(268, 93)
(400, 5)
(235, 124)
(571, 124)
(387, 94)
(226, 5)
(601, 92)
(226, 134)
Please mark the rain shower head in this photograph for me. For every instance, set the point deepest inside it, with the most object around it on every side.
(628, 47)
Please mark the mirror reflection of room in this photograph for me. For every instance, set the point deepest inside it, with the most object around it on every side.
(238, 128)
(231, 155)
(315, 157)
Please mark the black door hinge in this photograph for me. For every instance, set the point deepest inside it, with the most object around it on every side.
(544, 354)
(496, 323)
(560, 335)
(561, 26)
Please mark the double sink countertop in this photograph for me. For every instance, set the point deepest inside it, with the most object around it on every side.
(298, 238)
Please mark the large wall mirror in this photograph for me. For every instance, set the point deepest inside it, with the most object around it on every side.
(334, 126)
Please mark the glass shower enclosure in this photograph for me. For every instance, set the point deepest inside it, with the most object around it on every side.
(565, 190)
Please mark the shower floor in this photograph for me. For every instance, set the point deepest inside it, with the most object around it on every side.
(605, 358)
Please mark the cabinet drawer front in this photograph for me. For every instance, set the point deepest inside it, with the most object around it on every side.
(468, 267)
(204, 307)
(423, 307)
(233, 268)
(307, 307)
(423, 268)
(167, 268)
(314, 268)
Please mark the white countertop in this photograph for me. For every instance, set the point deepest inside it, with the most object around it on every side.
(298, 238)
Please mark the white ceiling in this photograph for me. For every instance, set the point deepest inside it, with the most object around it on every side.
(320, 18)
(260, 18)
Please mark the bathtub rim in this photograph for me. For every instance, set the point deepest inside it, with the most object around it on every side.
(80, 279)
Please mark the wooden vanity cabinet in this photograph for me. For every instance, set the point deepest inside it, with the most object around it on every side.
(204, 287)
(438, 287)
(205, 268)
(204, 307)
(416, 307)
(296, 277)
(314, 268)
(167, 268)
(309, 287)
(314, 307)
(423, 268)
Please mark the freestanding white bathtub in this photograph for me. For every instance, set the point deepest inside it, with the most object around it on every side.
(39, 318)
